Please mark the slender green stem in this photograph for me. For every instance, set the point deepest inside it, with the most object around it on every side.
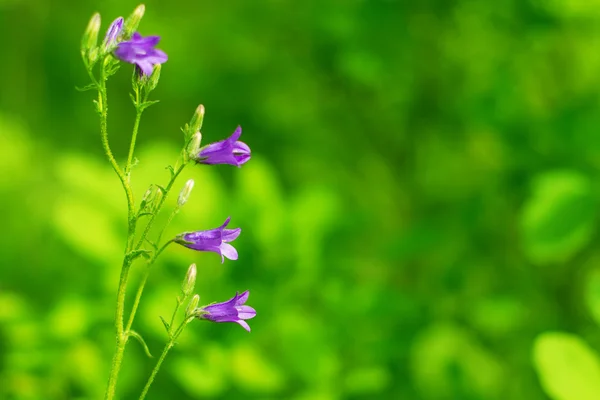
(140, 290)
(159, 207)
(121, 336)
(173, 214)
(103, 104)
(168, 347)
(136, 126)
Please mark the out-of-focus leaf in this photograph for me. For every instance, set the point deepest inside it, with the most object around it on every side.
(253, 372)
(447, 362)
(592, 294)
(568, 368)
(558, 219)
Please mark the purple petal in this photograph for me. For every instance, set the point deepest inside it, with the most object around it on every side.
(236, 134)
(145, 66)
(246, 312)
(229, 235)
(225, 223)
(242, 159)
(244, 325)
(240, 299)
(212, 236)
(149, 41)
(228, 251)
(241, 148)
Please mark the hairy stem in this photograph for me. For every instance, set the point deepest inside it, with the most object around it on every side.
(121, 336)
(155, 370)
(168, 347)
(136, 125)
(140, 290)
(159, 207)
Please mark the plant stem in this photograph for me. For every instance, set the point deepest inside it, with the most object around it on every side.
(121, 336)
(140, 290)
(155, 370)
(168, 347)
(158, 208)
(138, 115)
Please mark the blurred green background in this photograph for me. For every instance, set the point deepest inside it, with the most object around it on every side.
(419, 215)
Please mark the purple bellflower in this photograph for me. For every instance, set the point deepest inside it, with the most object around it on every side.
(215, 240)
(113, 32)
(141, 52)
(228, 151)
(232, 310)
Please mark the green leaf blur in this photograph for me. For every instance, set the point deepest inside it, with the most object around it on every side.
(419, 217)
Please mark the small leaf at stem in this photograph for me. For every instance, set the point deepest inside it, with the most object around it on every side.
(165, 323)
(162, 189)
(136, 253)
(91, 86)
(147, 104)
(142, 342)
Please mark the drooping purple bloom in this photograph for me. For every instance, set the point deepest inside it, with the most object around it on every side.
(113, 32)
(215, 240)
(232, 310)
(141, 52)
(229, 151)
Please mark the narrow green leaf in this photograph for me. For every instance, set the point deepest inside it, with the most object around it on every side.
(91, 86)
(142, 342)
(165, 323)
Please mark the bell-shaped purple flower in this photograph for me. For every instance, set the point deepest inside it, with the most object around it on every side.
(141, 52)
(232, 310)
(229, 151)
(113, 32)
(215, 240)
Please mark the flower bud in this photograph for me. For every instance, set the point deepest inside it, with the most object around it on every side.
(147, 197)
(153, 80)
(197, 118)
(187, 287)
(90, 37)
(157, 199)
(113, 32)
(194, 145)
(192, 305)
(185, 193)
(133, 21)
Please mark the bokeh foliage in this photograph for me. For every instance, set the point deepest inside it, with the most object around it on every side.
(419, 217)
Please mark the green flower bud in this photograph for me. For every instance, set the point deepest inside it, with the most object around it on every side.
(153, 80)
(194, 145)
(192, 305)
(197, 118)
(133, 21)
(187, 287)
(89, 40)
(185, 193)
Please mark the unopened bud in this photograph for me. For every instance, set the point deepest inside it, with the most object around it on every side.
(197, 118)
(90, 36)
(113, 32)
(153, 80)
(192, 305)
(187, 287)
(133, 21)
(185, 193)
(147, 197)
(157, 198)
(194, 145)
